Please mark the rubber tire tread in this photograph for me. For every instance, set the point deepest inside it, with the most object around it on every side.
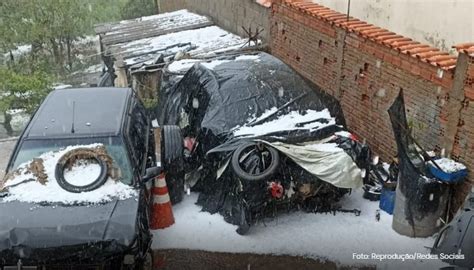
(249, 177)
(64, 184)
(172, 156)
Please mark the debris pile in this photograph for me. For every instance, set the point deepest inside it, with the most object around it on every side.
(263, 139)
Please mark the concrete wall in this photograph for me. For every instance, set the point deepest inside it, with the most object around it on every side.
(228, 14)
(441, 23)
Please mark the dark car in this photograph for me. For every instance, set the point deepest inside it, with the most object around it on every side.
(243, 117)
(108, 235)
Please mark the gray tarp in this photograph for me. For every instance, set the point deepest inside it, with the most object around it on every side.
(330, 165)
(335, 167)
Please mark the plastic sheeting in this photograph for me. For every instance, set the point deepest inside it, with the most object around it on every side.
(424, 196)
(233, 92)
(209, 102)
(334, 167)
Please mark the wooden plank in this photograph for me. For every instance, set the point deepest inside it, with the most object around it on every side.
(160, 23)
(148, 33)
(157, 134)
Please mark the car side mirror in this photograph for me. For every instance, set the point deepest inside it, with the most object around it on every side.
(151, 173)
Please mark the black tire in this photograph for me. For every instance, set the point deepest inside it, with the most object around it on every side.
(172, 160)
(63, 183)
(248, 165)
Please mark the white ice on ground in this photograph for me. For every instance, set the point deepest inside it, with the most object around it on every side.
(19, 51)
(344, 133)
(165, 22)
(60, 86)
(24, 49)
(154, 123)
(94, 69)
(288, 121)
(255, 58)
(34, 192)
(264, 115)
(87, 40)
(317, 236)
(19, 119)
(91, 69)
(185, 64)
(175, 16)
(76, 176)
(449, 165)
(386, 167)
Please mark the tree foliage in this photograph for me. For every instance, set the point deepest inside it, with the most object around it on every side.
(138, 8)
(51, 28)
(21, 92)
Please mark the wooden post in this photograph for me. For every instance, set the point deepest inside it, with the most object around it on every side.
(120, 73)
(157, 134)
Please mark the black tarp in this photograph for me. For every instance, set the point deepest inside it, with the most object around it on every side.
(414, 182)
(237, 93)
(233, 92)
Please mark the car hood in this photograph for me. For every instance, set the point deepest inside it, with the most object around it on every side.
(32, 226)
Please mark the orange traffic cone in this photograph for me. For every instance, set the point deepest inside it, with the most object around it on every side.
(162, 216)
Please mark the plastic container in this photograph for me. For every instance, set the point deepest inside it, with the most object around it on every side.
(447, 177)
(387, 200)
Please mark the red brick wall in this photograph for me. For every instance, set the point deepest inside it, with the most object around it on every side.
(463, 148)
(464, 140)
(365, 67)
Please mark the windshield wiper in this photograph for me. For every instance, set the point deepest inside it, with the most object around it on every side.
(4, 192)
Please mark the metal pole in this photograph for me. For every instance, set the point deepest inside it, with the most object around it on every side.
(348, 8)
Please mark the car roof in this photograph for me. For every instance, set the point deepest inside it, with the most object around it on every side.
(94, 112)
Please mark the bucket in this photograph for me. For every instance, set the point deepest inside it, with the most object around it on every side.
(387, 200)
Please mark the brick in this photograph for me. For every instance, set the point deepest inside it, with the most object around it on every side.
(470, 71)
(469, 93)
(363, 110)
(406, 65)
(352, 42)
(425, 74)
(415, 69)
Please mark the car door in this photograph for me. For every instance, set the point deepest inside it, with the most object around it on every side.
(142, 146)
(138, 138)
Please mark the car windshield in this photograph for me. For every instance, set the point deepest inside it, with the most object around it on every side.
(30, 149)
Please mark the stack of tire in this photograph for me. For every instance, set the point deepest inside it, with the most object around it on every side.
(172, 160)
